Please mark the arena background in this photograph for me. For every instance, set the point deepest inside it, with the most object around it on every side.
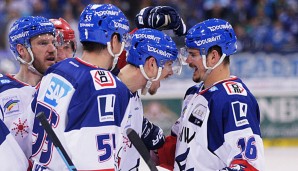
(267, 59)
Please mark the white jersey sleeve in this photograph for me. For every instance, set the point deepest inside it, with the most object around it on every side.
(130, 157)
(11, 155)
(15, 99)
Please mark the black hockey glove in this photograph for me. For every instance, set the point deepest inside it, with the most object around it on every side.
(152, 135)
(161, 18)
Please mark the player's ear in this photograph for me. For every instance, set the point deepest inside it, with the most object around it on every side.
(151, 66)
(22, 51)
(214, 56)
(152, 62)
(115, 40)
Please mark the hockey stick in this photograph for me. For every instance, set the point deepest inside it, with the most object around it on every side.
(45, 124)
(142, 149)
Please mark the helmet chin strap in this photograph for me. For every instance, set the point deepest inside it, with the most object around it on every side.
(209, 69)
(30, 66)
(116, 56)
(149, 80)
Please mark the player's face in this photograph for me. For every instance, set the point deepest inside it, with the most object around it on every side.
(167, 71)
(64, 51)
(44, 52)
(195, 61)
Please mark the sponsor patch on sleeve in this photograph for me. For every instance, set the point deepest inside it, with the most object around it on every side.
(234, 88)
(56, 90)
(198, 115)
(239, 112)
(106, 105)
(11, 105)
(103, 79)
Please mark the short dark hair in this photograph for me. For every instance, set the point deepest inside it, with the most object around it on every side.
(96, 47)
(218, 49)
(93, 46)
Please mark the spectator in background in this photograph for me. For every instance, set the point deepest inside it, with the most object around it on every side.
(243, 12)
(7, 66)
(277, 38)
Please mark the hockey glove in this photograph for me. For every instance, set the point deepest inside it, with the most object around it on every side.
(152, 135)
(161, 18)
(166, 153)
(239, 165)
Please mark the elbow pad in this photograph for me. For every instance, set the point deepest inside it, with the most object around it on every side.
(152, 135)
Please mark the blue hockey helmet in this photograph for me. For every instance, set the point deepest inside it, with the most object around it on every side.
(98, 22)
(150, 42)
(27, 27)
(212, 32)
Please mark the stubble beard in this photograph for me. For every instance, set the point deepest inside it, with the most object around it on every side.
(152, 92)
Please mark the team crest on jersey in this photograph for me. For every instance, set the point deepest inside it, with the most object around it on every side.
(239, 112)
(57, 89)
(233, 88)
(11, 105)
(20, 128)
(198, 115)
(102, 79)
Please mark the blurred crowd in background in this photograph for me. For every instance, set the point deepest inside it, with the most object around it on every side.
(260, 25)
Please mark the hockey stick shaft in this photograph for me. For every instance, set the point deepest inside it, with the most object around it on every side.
(142, 149)
(45, 124)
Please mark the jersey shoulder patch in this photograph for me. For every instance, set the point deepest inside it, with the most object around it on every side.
(234, 88)
(103, 79)
(4, 79)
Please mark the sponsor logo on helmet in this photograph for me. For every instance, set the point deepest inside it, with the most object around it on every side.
(120, 25)
(147, 36)
(20, 35)
(100, 13)
(86, 25)
(220, 27)
(158, 51)
(46, 24)
(208, 40)
(14, 27)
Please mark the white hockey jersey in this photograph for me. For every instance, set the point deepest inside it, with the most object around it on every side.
(11, 155)
(218, 125)
(15, 99)
(130, 157)
(88, 110)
